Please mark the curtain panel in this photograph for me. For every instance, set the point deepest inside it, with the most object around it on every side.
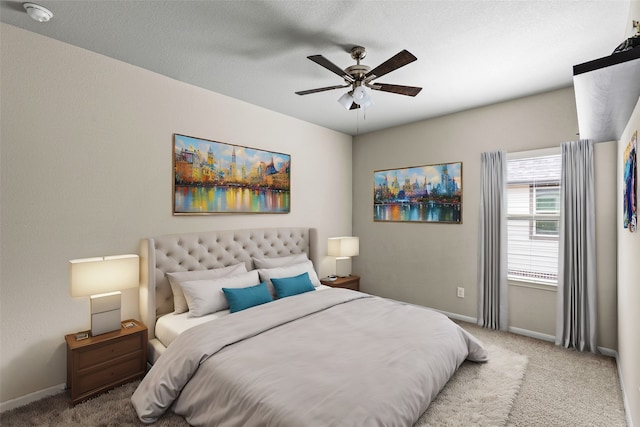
(576, 305)
(492, 252)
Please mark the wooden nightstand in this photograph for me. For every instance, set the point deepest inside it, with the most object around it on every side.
(99, 363)
(349, 282)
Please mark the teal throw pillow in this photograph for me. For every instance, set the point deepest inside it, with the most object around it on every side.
(289, 286)
(242, 298)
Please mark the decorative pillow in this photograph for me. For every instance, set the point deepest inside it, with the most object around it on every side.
(289, 286)
(206, 296)
(289, 271)
(175, 278)
(242, 298)
(279, 261)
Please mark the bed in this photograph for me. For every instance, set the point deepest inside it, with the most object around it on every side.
(315, 356)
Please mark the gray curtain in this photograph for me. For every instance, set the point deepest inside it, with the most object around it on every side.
(576, 310)
(492, 251)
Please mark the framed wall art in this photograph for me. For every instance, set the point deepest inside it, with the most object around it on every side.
(213, 177)
(431, 193)
(630, 184)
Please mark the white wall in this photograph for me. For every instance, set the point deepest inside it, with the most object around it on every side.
(629, 286)
(424, 263)
(86, 171)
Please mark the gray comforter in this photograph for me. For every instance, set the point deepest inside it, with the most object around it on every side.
(326, 358)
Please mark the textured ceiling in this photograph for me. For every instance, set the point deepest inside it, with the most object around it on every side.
(470, 53)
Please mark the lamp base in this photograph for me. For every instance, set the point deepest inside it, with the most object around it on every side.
(105, 313)
(343, 266)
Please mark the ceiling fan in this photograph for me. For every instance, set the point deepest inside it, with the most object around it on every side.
(359, 76)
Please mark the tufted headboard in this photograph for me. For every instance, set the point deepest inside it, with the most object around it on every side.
(206, 250)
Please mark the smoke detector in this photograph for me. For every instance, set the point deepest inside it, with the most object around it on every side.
(37, 12)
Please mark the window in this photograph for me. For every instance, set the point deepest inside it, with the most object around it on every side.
(533, 215)
(547, 201)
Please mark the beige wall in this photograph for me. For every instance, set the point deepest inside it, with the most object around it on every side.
(424, 263)
(629, 287)
(86, 171)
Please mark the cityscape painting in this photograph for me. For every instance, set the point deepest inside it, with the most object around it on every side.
(431, 193)
(630, 184)
(214, 177)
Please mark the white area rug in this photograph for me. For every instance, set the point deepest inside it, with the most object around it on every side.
(479, 394)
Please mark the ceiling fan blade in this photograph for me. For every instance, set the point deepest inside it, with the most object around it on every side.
(354, 106)
(399, 89)
(321, 60)
(399, 60)
(320, 89)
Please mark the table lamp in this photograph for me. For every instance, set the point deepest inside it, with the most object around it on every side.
(343, 248)
(102, 278)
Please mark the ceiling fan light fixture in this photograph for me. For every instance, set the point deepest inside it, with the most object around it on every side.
(361, 97)
(346, 100)
(37, 12)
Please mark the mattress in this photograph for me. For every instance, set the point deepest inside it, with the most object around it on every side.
(170, 325)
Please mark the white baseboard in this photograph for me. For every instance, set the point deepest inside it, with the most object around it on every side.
(31, 397)
(608, 352)
(527, 333)
(518, 331)
(532, 334)
(459, 316)
(625, 399)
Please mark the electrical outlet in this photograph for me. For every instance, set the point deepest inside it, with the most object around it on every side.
(460, 292)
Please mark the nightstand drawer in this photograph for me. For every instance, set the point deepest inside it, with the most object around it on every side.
(106, 375)
(108, 351)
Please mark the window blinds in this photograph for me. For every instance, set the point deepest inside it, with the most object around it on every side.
(533, 213)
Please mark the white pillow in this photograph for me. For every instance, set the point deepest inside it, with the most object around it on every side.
(175, 278)
(206, 296)
(288, 271)
(279, 261)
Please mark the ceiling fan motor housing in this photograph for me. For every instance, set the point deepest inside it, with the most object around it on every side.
(357, 71)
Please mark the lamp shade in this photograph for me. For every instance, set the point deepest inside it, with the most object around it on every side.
(344, 246)
(91, 276)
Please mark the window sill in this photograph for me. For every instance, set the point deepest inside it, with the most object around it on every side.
(544, 286)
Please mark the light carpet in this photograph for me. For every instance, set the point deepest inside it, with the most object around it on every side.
(479, 394)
